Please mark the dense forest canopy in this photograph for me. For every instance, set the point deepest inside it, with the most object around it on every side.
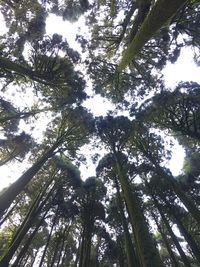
(134, 212)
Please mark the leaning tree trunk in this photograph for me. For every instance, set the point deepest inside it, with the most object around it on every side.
(49, 237)
(148, 253)
(28, 222)
(173, 184)
(8, 195)
(28, 242)
(157, 17)
(191, 242)
(171, 253)
(7, 64)
(9, 213)
(174, 238)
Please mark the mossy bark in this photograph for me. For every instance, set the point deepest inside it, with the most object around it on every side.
(157, 17)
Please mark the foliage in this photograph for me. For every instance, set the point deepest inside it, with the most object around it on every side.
(133, 211)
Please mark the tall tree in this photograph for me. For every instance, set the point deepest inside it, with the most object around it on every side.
(114, 132)
(72, 132)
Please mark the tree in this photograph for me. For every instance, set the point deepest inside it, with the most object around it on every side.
(91, 210)
(71, 133)
(106, 170)
(14, 147)
(50, 215)
(151, 148)
(177, 110)
(114, 132)
(161, 12)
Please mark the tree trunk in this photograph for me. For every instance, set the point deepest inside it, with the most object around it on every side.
(63, 258)
(28, 242)
(186, 200)
(48, 238)
(55, 253)
(8, 195)
(174, 238)
(157, 17)
(66, 230)
(171, 254)
(9, 213)
(191, 242)
(173, 184)
(146, 247)
(7, 64)
(86, 245)
(21, 232)
(130, 251)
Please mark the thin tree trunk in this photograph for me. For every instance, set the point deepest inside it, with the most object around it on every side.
(35, 205)
(173, 184)
(171, 254)
(174, 238)
(25, 261)
(9, 213)
(66, 230)
(35, 257)
(55, 253)
(191, 242)
(29, 220)
(78, 254)
(28, 242)
(48, 238)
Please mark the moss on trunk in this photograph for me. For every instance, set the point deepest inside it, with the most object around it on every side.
(158, 16)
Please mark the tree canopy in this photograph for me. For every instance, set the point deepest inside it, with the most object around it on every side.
(133, 211)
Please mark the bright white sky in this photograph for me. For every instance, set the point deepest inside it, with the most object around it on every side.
(183, 70)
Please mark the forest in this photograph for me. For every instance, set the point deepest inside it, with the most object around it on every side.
(134, 212)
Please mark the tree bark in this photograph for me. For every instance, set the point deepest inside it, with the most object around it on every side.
(27, 244)
(171, 254)
(191, 242)
(48, 238)
(186, 200)
(174, 238)
(146, 247)
(130, 251)
(23, 229)
(8, 195)
(157, 17)
(55, 253)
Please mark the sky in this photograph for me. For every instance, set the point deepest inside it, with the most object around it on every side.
(183, 70)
